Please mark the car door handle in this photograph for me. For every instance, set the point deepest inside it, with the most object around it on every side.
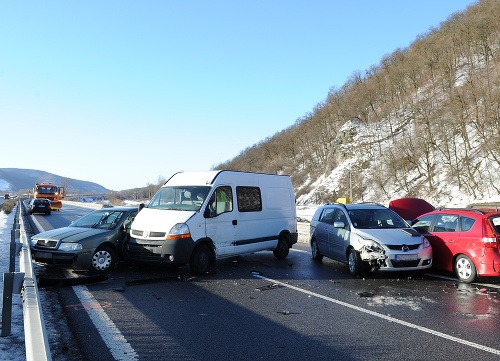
(235, 222)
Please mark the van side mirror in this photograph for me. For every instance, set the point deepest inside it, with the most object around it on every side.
(209, 212)
(141, 206)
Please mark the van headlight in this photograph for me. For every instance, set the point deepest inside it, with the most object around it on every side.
(70, 247)
(180, 230)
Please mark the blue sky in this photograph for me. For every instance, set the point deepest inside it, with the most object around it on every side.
(123, 92)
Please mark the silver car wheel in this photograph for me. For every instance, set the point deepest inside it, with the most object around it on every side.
(316, 254)
(352, 262)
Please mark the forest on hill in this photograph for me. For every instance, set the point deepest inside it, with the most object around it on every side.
(423, 122)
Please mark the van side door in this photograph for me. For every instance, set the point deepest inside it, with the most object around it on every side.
(220, 221)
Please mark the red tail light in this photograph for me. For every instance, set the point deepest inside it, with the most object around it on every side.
(490, 239)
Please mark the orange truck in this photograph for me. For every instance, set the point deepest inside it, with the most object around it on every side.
(51, 192)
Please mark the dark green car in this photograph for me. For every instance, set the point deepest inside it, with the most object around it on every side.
(93, 242)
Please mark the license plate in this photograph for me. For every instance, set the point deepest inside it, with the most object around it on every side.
(406, 257)
(42, 255)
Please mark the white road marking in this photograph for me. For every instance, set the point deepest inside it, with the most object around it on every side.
(388, 318)
(37, 224)
(299, 250)
(488, 285)
(111, 335)
(457, 280)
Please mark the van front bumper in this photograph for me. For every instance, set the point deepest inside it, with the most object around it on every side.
(171, 251)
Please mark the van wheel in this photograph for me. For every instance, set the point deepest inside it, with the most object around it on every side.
(201, 260)
(356, 266)
(281, 251)
(465, 269)
(316, 254)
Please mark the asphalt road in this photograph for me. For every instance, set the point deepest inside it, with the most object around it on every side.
(257, 307)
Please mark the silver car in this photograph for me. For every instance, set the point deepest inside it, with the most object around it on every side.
(368, 237)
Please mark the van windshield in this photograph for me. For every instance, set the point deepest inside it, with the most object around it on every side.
(180, 198)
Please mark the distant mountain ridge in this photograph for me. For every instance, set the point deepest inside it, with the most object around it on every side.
(18, 179)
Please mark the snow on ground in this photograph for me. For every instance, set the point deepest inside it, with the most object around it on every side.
(60, 338)
(11, 347)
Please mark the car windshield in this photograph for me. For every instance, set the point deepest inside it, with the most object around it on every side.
(103, 219)
(376, 218)
(180, 198)
(46, 189)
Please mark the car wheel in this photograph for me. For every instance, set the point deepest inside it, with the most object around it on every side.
(281, 251)
(356, 265)
(465, 269)
(102, 260)
(201, 260)
(316, 254)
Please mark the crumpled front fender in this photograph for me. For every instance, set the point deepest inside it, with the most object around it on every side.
(369, 255)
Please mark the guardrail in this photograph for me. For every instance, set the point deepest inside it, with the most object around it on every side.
(37, 345)
(35, 334)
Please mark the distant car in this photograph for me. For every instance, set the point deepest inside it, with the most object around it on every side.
(368, 236)
(39, 205)
(465, 241)
(93, 242)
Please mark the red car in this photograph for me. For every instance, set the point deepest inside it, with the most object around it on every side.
(465, 241)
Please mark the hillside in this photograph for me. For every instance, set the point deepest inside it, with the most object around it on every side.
(15, 180)
(424, 122)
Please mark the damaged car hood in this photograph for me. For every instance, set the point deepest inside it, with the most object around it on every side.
(397, 236)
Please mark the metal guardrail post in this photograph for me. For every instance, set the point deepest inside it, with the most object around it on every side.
(8, 283)
(12, 262)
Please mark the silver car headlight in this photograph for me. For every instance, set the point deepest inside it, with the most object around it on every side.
(70, 247)
(371, 244)
(426, 243)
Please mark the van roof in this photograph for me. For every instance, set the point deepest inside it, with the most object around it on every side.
(192, 178)
(208, 177)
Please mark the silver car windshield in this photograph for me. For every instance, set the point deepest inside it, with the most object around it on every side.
(180, 198)
(376, 218)
(102, 219)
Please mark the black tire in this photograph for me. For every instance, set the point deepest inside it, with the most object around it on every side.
(282, 249)
(356, 266)
(465, 269)
(316, 254)
(103, 260)
(201, 260)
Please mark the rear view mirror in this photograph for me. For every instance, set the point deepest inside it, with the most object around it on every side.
(338, 224)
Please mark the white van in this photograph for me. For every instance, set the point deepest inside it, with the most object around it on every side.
(197, 217)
